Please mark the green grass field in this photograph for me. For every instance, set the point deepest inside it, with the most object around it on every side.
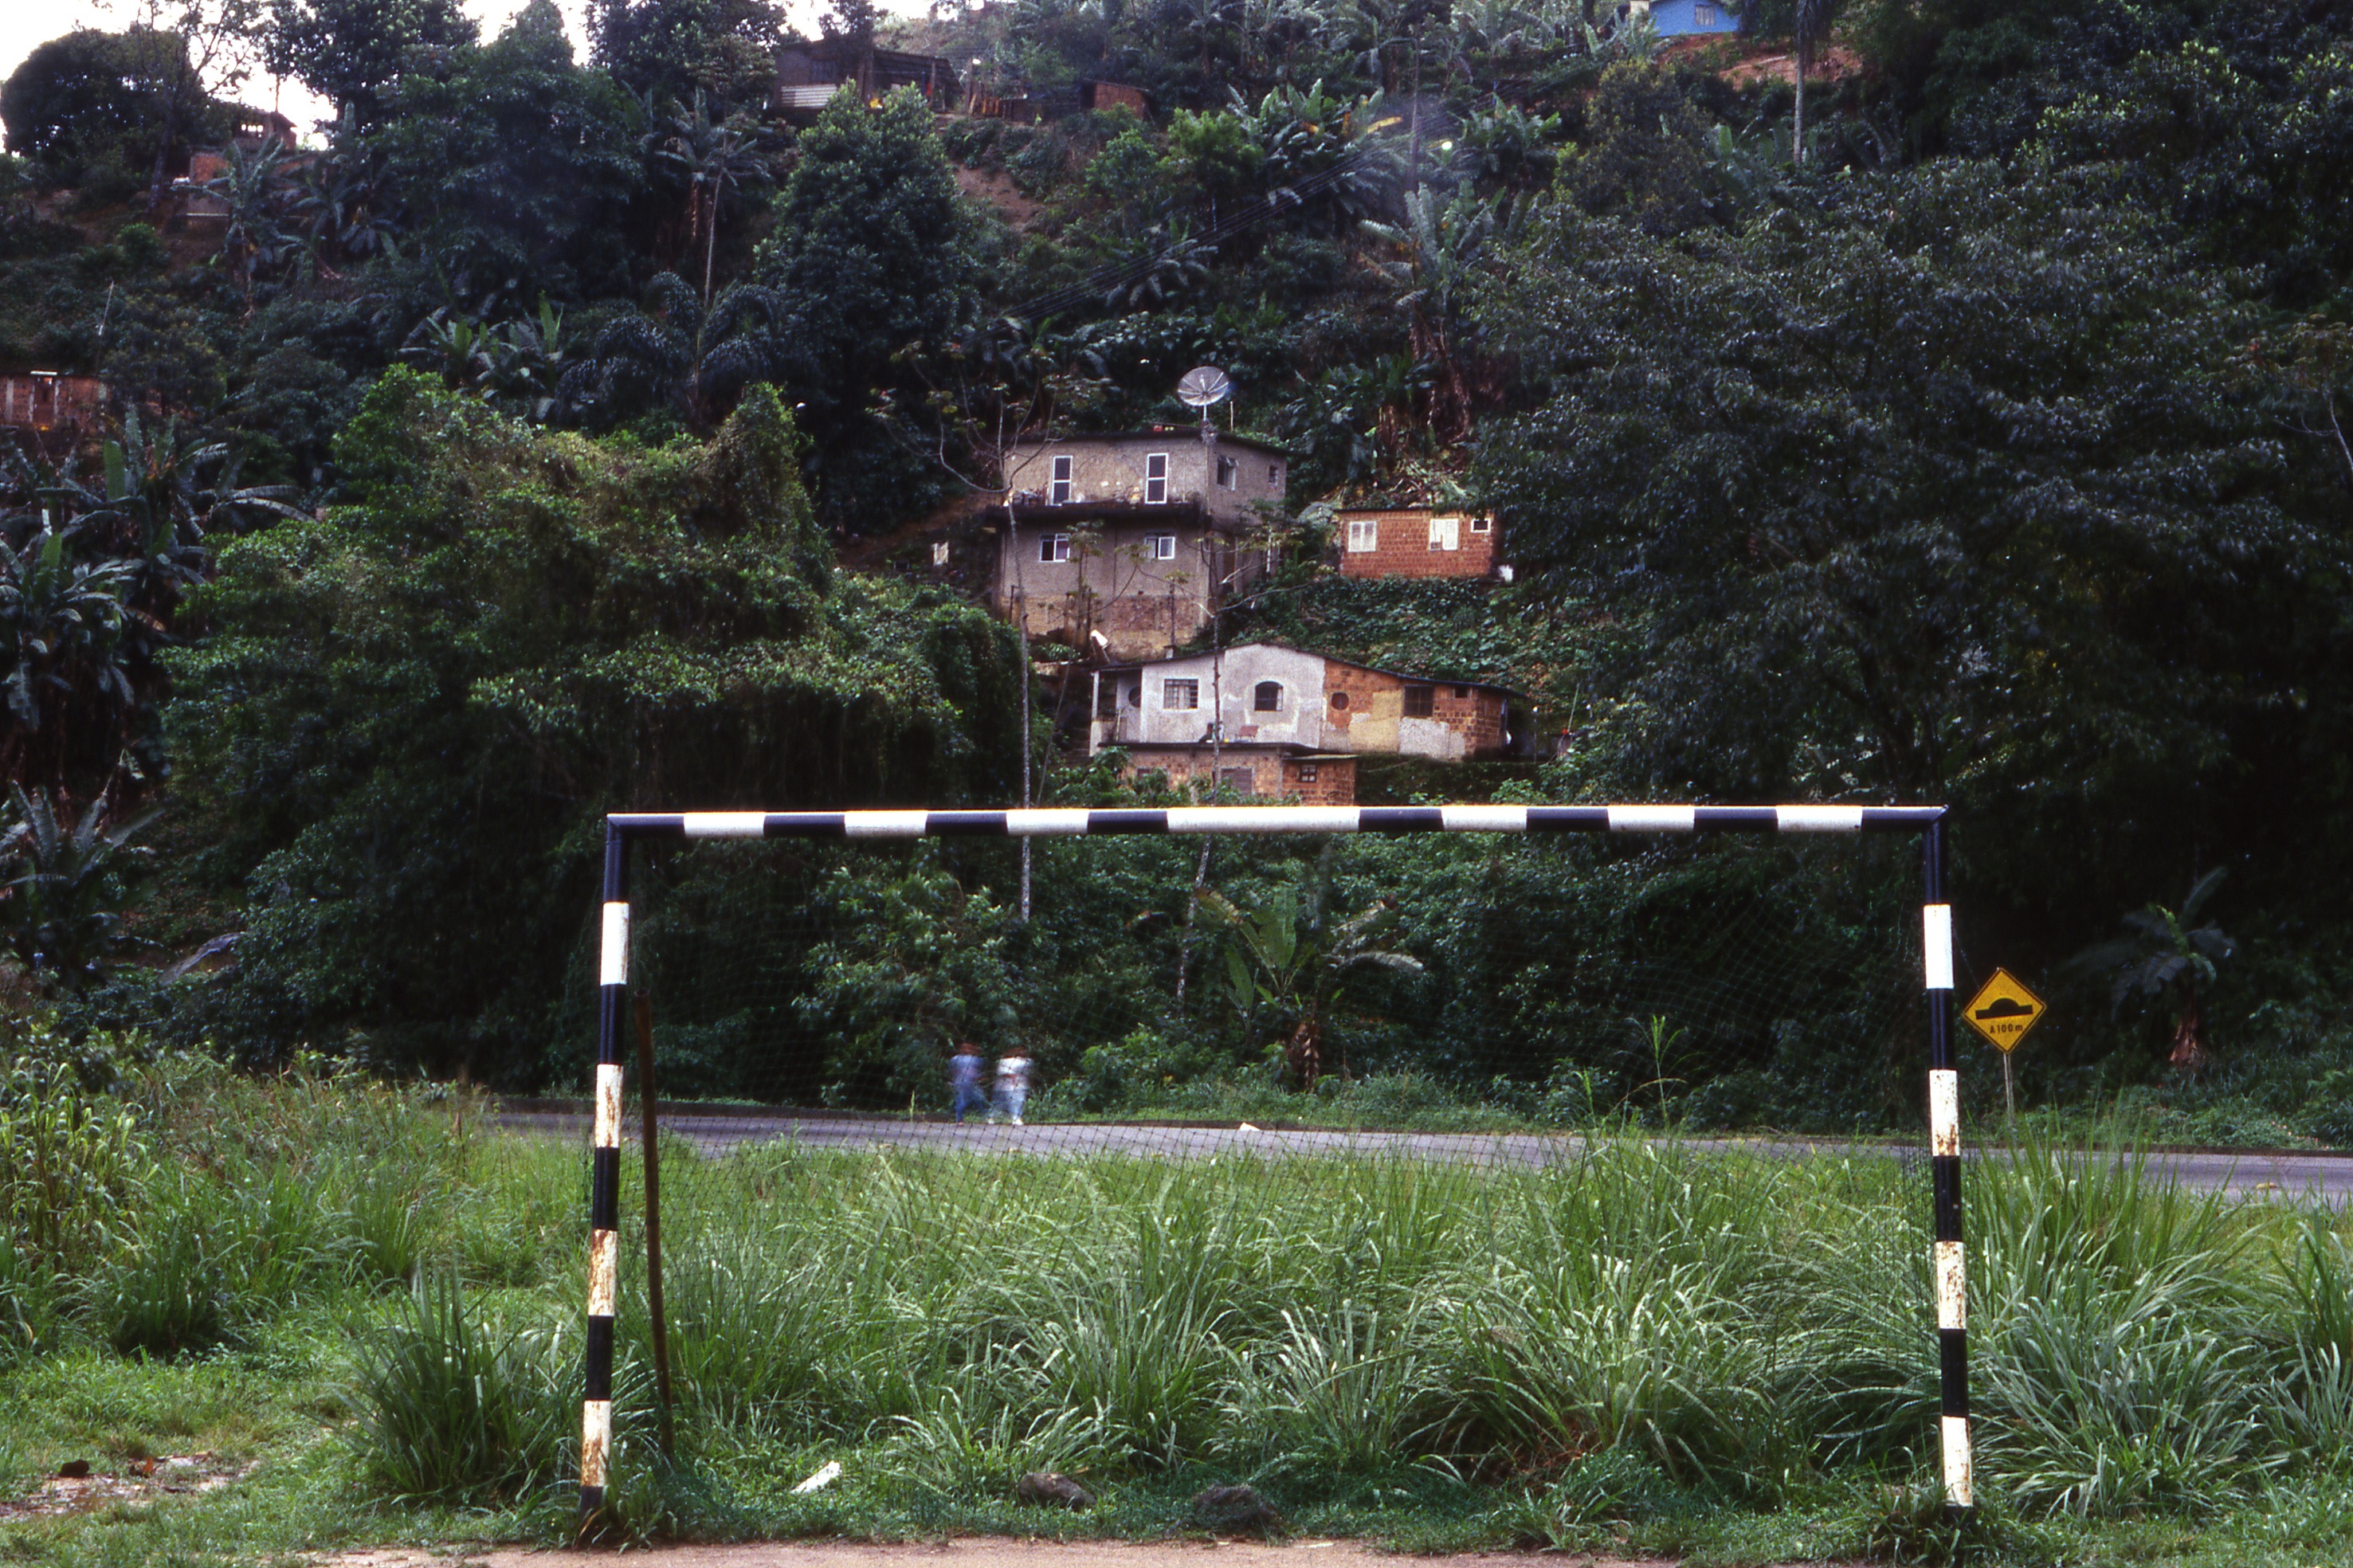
(357, 1310)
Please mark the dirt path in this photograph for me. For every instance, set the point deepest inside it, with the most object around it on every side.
(987, 1551)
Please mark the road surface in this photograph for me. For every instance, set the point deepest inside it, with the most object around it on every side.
(2245, 1173)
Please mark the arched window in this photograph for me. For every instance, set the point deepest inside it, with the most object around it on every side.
(1267, 696)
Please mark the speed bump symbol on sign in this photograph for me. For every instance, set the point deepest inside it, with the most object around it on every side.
(2004, 1010)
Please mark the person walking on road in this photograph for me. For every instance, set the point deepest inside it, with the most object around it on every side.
(1012, 1084)
(964, 1080)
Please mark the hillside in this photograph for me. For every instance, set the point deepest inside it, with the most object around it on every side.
(1983, 445)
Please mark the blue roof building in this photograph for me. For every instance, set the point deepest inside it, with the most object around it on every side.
(1685, 18)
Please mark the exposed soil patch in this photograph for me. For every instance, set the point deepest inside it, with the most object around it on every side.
(77, 1488)
(1832, 64)
(996, 187)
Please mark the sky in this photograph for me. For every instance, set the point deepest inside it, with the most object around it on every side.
(24, 25)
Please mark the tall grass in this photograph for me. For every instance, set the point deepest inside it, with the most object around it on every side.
(1639, 1324)
(460, 1407)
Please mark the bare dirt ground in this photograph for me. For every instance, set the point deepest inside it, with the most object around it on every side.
(84, 1491)
(963, 1552)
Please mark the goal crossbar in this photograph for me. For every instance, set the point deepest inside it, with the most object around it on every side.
(622, 828)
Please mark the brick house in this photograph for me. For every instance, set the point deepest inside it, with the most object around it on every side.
(1270, 770)
(1308, 707)
(1128, 536)
(1414, 542)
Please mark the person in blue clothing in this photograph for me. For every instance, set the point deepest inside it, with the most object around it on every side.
(964, 1068)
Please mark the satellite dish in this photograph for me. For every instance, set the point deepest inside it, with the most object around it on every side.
(1204, 387)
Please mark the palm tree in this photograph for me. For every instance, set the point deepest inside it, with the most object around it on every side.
(712, 158)
(678, 350)
(1810, 23)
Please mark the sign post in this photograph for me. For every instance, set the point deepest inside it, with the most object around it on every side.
(2002, 1011)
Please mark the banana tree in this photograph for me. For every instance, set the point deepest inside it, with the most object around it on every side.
(1287, 958)
(2163, 953)
(60, 907)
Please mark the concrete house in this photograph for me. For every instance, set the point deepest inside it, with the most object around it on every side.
(1689, 18)
(1125, 538)
(1279, 710)
(1414, 542)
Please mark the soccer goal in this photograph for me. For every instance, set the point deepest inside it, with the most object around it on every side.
(1469, 982)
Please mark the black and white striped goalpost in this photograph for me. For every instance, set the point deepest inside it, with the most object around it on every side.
(1937, 946)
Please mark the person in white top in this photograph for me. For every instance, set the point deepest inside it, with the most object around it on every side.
(1012, 1084)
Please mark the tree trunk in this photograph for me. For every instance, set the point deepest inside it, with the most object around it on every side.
(1799, 61)
(1021, 643)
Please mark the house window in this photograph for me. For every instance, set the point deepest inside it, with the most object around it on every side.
(1267, 696)
(1163, 546)
(1445, 533)
(1107, 699)
(1339, 702)
(1364, 535)
(1274, 473)
(1238, 780)
(1179, 696)
(1155, 479)
(1461, 691)
(1060, 495)
(1702, 14)
(1482, 525)
(1307, 773)
(1136, 695)
(1229, 473)
(1419, 701)
(1053, 547)
(939, 552)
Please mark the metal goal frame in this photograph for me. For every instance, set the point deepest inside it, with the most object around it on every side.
(622, 829)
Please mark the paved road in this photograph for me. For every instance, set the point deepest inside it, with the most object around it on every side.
(2252, 1173)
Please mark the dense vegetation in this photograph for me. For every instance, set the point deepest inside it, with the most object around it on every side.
(365, 1289)
(485, 469)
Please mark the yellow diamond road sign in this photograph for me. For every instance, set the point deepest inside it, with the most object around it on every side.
(2004, 1010)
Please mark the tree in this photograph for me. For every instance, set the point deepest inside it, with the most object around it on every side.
(1640, 156)
(1292, 959)
(257, 194)
(218, 39)
(91, 572)
(713, 160)
(409, 716)
(678, 353)
(2165, 954)
(1810, 23)
(82, 105)
(62, 898)
(512, 172)
(671, 50)
(352, 51)
(1936, 489)
(869, 255)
